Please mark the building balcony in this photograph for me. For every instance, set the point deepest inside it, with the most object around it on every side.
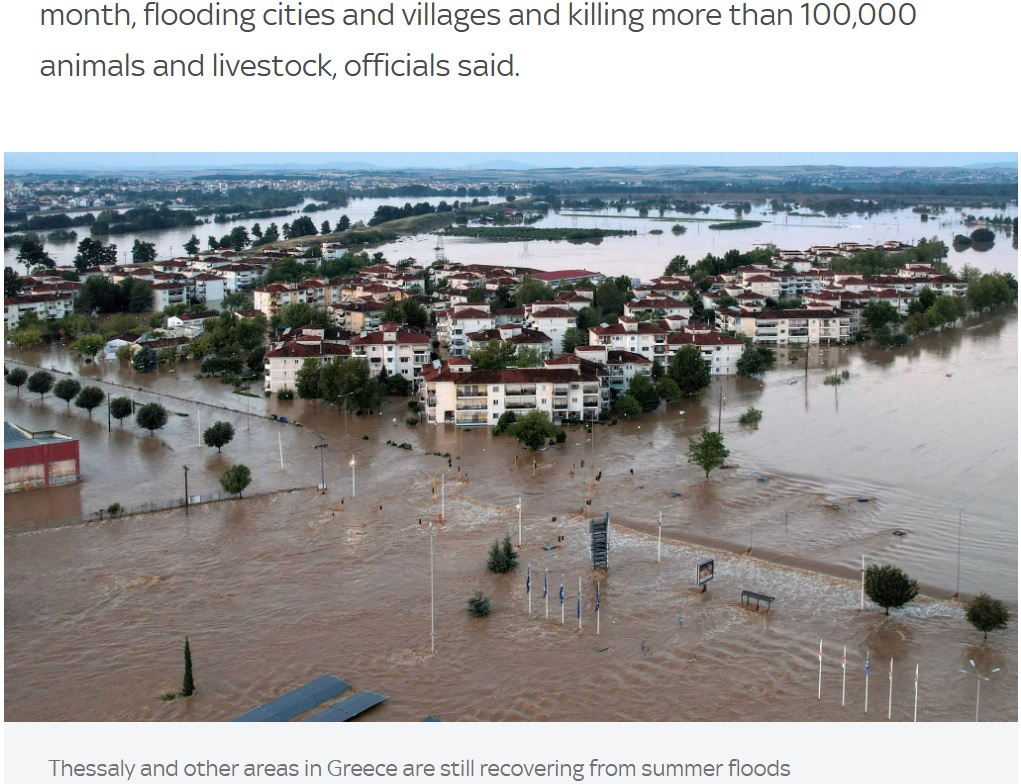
(472, 406)
(476, 393)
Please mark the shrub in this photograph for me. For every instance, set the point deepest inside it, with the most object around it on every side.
(285, 394)
(411, 421)
(478, 605)
(751, 417)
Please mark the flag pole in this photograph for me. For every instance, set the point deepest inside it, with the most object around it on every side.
(528, 588)
(545, 591)
(280, 446)
(561, 600)
(866, 681)
(597, 607)
(579, 602)
(843, 679)
(889, 705)
(819, 695)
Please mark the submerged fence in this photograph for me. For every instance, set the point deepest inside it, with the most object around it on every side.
(118, 510)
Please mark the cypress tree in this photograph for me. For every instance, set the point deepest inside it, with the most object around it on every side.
(188, 686)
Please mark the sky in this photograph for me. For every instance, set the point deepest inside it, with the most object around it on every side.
(70, 161)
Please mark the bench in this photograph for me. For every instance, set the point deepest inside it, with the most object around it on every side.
(760, 598)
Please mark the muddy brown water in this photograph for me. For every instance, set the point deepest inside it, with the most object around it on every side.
(276, 589)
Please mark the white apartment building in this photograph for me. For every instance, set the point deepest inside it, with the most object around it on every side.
(397, 349)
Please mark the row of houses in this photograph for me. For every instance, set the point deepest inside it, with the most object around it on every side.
(206, 278)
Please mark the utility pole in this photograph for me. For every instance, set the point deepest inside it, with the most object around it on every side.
(322, 465)
(719, 415)
(186, 491)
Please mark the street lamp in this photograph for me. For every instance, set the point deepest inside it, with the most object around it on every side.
(352, 476)
(432, 592)
(186, 491)
(959, 512)
(322, 464)
(519, 519)
(978, 681)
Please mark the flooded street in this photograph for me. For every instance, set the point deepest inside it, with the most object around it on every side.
(274, 590)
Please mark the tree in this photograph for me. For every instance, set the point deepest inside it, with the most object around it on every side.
(40, 383)
(628, 406)
(708, 451)
(301, 227)
(644, 392)
(92, 253)
(987, 614)
(573, 337)
(27, 336)
(325, 228)
(121, 407)
(755, 361)
(668, 390)
(350, 382)
(495, 355)
(31, 253)
(689, 370)
(142, 252)
(503, 557)
(89, 345)
(307, 381)
(532, 290)
(888, 586)
(16, 378)
(191, 247)
(89, 398)
(301, 314)
(218, 435)
(236, 300)
(12, 282)
(151, 417)
(66, 389)
(678, 264)
(235, 479)
(879, 313)
(146, 360)
(534, 430)
(188, 684)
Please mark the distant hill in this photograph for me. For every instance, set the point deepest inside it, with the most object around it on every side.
(1004, 165)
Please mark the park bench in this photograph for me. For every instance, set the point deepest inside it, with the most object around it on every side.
(760, 598)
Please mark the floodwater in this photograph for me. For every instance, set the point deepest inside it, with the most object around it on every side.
(644, 255)
(276, 589)
(289, 583)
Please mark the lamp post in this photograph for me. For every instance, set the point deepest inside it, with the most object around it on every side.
(443, 496)
(519, 519)
(352, 476)
(960, 511)
(322, 465)
(432, 593)
(186, 491)
(979, 677)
